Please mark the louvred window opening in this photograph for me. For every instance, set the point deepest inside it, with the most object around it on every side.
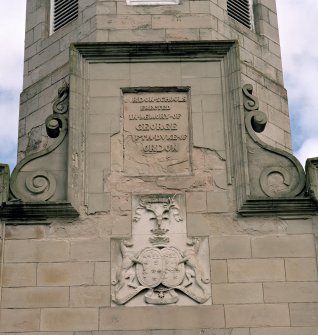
(240, 11)
(64, 11)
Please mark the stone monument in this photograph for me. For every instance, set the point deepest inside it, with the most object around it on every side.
(155, 190)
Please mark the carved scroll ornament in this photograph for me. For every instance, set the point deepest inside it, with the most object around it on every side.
(40, 185)
(273, 172)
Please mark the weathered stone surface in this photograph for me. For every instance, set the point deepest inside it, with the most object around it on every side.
(159, 258)
(90, 250)
(219, 272)
(301, 269)
(45, 266)
(283, 246)
(196, 201)
(284, 331)
(237, 293)
(69, 319)
(290, 292)
(35, 297)
(230, 247)
(157, 135)
(256, 270)
(24, 232)
(102, 273)
(259, 315)
(90, 296)
(19, 320)
(304, 314)
(19, 274)
(217, 202)
(65, 274)
(161, 318)
(36, 251)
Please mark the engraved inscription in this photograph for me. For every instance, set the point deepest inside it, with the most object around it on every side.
(156, 132)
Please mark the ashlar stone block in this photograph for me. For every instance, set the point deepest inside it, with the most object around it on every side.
(256, 270)
(257, 315)
(90, 296)
(284, 331)
(19, 274)
(225, 247)
(18, 251)
(304, 314)
(90, 250)
(301, 269)
(69, 319)
(65, 274)
(35, 297)
(168, 317)
(284, 246)
(237, 293)
(19, 320)
(291, 292)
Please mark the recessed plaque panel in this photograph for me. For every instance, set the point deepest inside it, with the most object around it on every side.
(156, 131)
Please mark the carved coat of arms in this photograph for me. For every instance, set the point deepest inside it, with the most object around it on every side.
(161, 267)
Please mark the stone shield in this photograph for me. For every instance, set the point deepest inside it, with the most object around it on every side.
(150, 269)
(174, 271)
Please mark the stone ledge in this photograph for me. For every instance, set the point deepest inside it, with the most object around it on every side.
(23, 212)
(278, 206)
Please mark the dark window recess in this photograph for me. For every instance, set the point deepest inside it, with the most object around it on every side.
(64, 11)
(240, 11)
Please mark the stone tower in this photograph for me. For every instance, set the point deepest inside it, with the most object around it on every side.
(155, 190)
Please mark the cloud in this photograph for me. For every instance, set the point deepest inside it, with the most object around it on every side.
(298, 27)
(12, 40)
(11, 74)
(308, 149)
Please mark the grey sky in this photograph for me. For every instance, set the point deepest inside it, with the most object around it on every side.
(298, 26)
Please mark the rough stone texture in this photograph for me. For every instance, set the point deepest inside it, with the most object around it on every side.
(237, 293)
(257, 315)
(56, 277)
(35, 297)
(284, 246)
(256, 270)
(304, 314)
(301, 269)
(65, 274)
(160, 318)
(19, 320)
(16, 275)
(284, 331)
(72, 319)
(230, 247)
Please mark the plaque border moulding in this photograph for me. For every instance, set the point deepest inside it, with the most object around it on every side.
(166, 89)
(31, 189)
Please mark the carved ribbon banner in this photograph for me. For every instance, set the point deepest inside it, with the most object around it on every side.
(40, 184)
(273, 172)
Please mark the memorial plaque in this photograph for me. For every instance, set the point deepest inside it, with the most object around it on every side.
(156, 131)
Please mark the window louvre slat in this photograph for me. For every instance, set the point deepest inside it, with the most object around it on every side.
(64, 11)
(240, 11)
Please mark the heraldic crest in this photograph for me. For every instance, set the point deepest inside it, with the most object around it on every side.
(167, 264)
